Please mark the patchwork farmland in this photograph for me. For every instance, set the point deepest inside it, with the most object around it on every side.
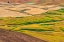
(45, 23)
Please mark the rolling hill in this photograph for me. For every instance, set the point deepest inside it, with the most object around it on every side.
(43, 20)
(48, 2)
(9, 36)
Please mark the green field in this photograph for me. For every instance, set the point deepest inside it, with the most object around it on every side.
(48, 26)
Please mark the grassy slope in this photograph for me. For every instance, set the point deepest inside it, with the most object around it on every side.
(49, 27)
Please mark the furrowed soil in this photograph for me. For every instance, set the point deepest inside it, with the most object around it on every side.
(10, 36)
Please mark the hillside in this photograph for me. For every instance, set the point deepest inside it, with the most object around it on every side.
(9, 36)
(47, 2)
(42, 21)
(48, 26)
(11, 10)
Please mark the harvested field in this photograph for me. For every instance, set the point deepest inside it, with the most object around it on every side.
(21, 10)
(7, 13)
(9, 36)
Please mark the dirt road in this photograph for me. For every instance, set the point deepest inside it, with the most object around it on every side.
(9, 36)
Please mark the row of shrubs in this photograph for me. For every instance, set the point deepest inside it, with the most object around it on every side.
(37, 30)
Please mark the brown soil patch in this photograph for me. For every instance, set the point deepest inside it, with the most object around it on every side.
(9, 36)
